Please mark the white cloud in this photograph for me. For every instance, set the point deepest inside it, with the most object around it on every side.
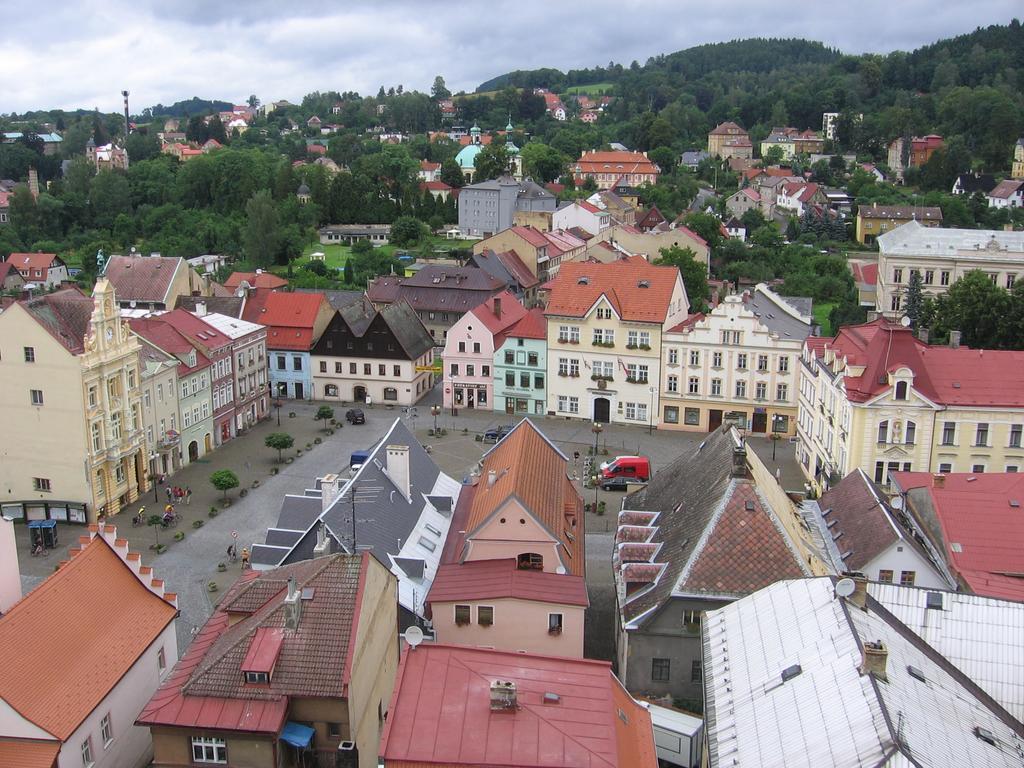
(163, 52)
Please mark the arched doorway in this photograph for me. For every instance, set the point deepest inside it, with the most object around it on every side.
(208, 442)
(193, 451)
(602, 409)
(359, 393)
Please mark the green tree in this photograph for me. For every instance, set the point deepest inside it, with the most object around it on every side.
(324, 413)
(350, 275)
(974, 306)
(694, 273)
(262, 233)
(109, 196)
(216, 131)
(914, 305)
(196, 131)
(438, 90)
(279, 441)
(406, 231)
(491, 162)
(542, 162)
(224, 480)
(451, 174)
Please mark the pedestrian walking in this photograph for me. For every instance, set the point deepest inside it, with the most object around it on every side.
(188, 496)
(245, 558)
(248, 466)
(170, 494)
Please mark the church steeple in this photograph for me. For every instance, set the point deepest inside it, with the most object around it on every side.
(105, 327)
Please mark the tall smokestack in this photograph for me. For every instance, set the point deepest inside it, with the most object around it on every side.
(126, 124)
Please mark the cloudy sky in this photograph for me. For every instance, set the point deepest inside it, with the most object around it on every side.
(82, 53)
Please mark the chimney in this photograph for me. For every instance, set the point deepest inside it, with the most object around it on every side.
(292, 605)
(200, 309)
(323, 544)
(859, 597)
(938, 480)
(497, 306)
(954, 339)
(922, 334)
(330, 489)
(739, 461)
(492, 478)
(398, 467)
(874, 660)
(33, 182)
(503, 696)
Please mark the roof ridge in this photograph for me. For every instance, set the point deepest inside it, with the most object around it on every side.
(698, 548)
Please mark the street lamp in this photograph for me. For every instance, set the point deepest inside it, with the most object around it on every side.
(650, 413)
(597, 429)
(435, 410)
(277, 407)
(455, 389)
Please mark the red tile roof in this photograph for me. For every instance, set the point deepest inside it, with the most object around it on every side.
(615, 162)
(164, 337)
(6, 269)
(854, 511)
(487, 579)
(866, 274)
(65, 314)
(532, 325)
(54, 684)
(263, 650)
(1006, 188)
(143, 278)
(727, 128)
(981, 530)
(31, 261)
(426, 165)
(588, 206)
(579, 285)
(196, 330)
(435, 186)
(943, 375)
(511, 312)
(515, 267)
(28, 754)
(440, 713)
(529, 467)
(290, 317)
(255, 280)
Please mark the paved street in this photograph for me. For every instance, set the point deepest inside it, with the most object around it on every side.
(189, 565)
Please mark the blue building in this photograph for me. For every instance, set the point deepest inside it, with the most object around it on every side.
(520, 367)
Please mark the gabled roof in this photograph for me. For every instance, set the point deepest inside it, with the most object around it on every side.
(528, 467)
(532, 325)
(207, 688)
(143, 278)
(511, 312)
(943, 375)
(166, 338)
(865, 274)
(255, 280)
(977, 520)
(437, 288)
(440, 713)
(1006, 188)
(57, 685)
(198, 331)
(975, 182)
(783, 667)
(638, 290)
(31, 261)
(8, 270)
(507, 267)
(697, 530)
(17, 753)
(905, 212)
(727, 128)
(399, 319)
(493, 579)
(615, 162)
(65, 314)
(290, 317)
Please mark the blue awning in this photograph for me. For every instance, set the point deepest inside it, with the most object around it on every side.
(297, 735)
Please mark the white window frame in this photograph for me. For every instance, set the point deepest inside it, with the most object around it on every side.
(213, 750)
(106, 730)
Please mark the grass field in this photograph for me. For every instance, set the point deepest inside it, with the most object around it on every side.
(821, 312)
(335, 255)
(594, 89)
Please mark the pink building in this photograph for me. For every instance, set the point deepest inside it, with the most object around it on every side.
(468, 355)
(84, 652)
(515, 579)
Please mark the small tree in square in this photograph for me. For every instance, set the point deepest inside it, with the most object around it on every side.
(279, 441)
(324, 413)
(224, 480)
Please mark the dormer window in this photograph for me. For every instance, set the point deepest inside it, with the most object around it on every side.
(901, 390)
(257, 678)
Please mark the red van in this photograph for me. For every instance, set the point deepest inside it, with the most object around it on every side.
(633, 467)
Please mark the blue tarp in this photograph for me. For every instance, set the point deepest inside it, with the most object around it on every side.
(297, 735)
(43, 524)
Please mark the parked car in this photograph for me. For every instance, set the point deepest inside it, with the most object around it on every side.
(618, 483)
(355, 416)
(632, 467)
(495, 434)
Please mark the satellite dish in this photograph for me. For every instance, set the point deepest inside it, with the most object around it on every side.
(414, 635)
(905, 321)
(896, 502)
(845, 587)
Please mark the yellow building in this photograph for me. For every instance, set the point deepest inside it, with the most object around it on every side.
(605, 326)
(729, 140)
(878, 398)
(71, 407)
(1018, 159)
(875, 220)
(737, 364)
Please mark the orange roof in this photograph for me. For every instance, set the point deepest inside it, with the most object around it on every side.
(255, 280)
(28, 754)
(634, 734)
(615, 162)
(54, 684)
(530, 468)
(27, 261)
(638, 290)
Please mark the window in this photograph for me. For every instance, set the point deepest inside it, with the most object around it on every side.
(760, 391)
(782, 392)
(762, 363)
(532, 359)
(694, 357)
(563, 366)
(978, 469)
(296, 363)
(37, 396)
(470, 370)
(352, 368)
(948, 432)
(257, 678)
(671, 414)
(1010, 280)
(119, 473)
(943, 278)
(929, 276)
(907, 578)
(604, 336)
(741, 361)
(897, 275)
(896, 303)
(554, 623)
(691, 416)
(1015, 435)
(885, 577)
(161, 661)
(695, 671)
(41, 483)
(660, 670)
(716, 359)
(538, 381)
(673, 383)
(334, 730)
(323, 366)
(604, 369)
(604, 313)
(30, 354)
(911, 433)
(510, 357)
(485, 370)
(87, 760)
(692, 385)
(97, 437)
(463, 615)
(485, 615)
(510, 379)
(945, 468)
(524, 380)
(282, 363)
(716, 387)
(209, 750)
(574, 367)
(981, 438)
(390, 393)
(883, 431)
(339, 367)
(462, 346)
(901, 390)
(106, 730)
(673, 356)
(741, 389)
(454, 369)
(784, 364)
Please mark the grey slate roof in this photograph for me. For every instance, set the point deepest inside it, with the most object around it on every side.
(222, 305)
(769, 309)
(337, 299)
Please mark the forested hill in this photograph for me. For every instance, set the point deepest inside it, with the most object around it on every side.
(753, 55)
(193, 106)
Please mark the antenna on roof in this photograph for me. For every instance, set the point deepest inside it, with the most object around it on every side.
(845, 587)
(413, 636)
